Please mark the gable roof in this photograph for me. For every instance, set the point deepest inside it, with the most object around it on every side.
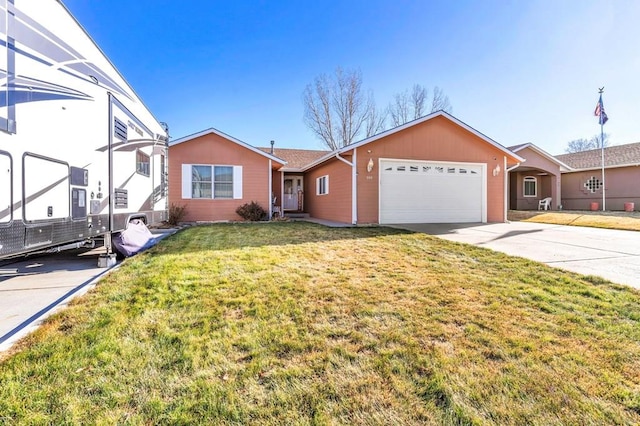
(211, 130)
(420, 120)
(563, 167)
(614, 156)
(296, 158)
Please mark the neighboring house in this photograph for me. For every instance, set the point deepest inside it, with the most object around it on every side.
(582, 185)
(434, 169)
(538, 178)
(212, 174)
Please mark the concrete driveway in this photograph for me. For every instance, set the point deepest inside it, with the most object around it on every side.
(33, 288)
(611, 254)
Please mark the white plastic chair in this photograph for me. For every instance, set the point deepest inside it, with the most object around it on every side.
(544, 204)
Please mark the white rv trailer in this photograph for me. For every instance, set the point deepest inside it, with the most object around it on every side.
(80, 154)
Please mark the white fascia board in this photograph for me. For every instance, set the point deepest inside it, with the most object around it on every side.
(410, 124)
(211, 130)
(546, 155)
(427, 118)
(615, 166)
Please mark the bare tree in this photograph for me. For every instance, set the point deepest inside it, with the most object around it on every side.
(440, 101)
(418, 97)
(582, 144)
(336, 110)
(376, 120)
(399, 109)
(411, 106)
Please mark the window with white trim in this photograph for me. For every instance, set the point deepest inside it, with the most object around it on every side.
(211, 181)
(201, 182)
(322, 185)
(530, 186)
(222, 182)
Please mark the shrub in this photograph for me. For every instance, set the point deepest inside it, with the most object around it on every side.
(176, 214)
(251, 211)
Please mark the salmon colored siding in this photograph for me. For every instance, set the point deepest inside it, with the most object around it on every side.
(437, 139)
(276, 178)
(336, 205)
(212, 149)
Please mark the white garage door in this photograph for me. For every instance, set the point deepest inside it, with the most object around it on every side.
(431, 192)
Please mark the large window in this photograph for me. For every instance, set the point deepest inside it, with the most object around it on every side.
(223, 183)
(530, 186)
(212, 182)
(322, 185)
(143, 163)
(201, 181)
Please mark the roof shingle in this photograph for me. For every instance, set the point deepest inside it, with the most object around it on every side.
(296, 158)
(617, 155)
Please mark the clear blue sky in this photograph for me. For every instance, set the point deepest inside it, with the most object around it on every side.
(517, 71)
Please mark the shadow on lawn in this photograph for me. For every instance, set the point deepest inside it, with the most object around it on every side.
(231, 236)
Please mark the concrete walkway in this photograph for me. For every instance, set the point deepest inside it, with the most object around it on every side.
(611, 254)
(35, 287)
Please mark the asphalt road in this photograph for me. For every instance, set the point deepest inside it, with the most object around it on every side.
(611, 254)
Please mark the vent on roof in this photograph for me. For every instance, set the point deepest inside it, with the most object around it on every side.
(119, 129)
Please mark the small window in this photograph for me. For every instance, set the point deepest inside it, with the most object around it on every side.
(401, 168)
(143, 163)
(439, 169)
(119, 129)
(451, 170)
(593, 184)
(463, 171)
(322, 185)
(413, 168)
(530, 186)
(223, 182)
(426, 169)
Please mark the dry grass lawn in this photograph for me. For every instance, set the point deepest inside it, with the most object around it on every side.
(294, 323)
(608, 220)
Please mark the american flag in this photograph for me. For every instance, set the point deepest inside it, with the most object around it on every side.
(599, 112)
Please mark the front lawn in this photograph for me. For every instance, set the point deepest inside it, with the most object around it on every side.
(295, 323)
(608, 220)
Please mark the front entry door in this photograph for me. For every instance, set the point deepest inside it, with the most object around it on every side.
(292, 193)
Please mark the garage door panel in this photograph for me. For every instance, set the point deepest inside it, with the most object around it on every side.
(415, 192)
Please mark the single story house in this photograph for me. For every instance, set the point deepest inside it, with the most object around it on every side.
(582, 185)
(434, 169)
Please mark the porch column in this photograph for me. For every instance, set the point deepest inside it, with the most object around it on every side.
(556, 191)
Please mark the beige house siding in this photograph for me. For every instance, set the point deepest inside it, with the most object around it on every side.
(621, 187)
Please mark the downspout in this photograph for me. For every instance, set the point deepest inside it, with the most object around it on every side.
(270, 188)
(506, 185)
(354, 186)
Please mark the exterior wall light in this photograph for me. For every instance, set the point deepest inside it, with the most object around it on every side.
(370, 165)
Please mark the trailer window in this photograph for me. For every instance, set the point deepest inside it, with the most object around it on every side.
(143, 163)
(5, 188)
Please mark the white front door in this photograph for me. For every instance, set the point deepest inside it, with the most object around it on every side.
(292, 199)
